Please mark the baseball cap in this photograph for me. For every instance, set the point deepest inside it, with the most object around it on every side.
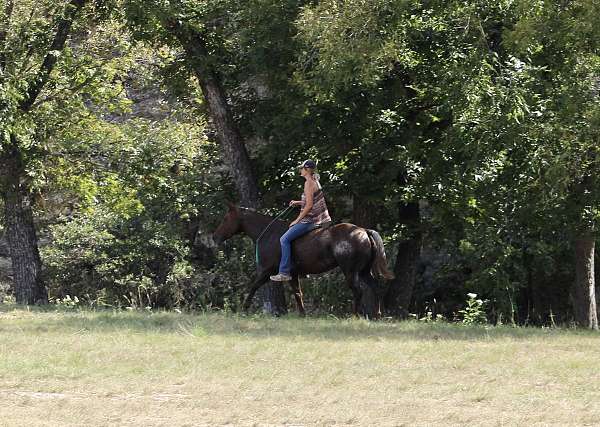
(310, 164)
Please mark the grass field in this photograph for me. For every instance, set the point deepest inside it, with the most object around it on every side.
(154, 369)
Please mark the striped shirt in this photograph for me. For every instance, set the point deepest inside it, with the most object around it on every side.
(318, 214)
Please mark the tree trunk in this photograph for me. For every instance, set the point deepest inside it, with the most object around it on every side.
(273, 299)
(362, 212)
(400, 292)
(228, 137)
(584, 291)
(21, 236)
(233, 146)
(271, 294)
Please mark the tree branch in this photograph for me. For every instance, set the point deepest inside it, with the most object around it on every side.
(73, 89)
(58, 44)
(21, 37)
(4, 33)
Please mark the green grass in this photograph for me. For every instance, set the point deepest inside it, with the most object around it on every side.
(136, 368)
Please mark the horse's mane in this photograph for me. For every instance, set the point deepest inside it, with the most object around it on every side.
(265, 215)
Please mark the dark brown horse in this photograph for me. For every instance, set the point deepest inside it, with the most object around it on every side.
(359, 252)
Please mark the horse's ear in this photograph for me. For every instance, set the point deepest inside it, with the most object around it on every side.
(231, 206)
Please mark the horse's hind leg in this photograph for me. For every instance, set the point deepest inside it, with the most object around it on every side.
(353, 285)
(371, 300)
(364, 292)
(295, 284)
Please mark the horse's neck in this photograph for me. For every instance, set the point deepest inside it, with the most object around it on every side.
(253, 224)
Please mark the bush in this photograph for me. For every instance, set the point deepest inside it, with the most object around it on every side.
(109, 261)
(105, 260)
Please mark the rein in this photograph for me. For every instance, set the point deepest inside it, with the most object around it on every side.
(281, 214)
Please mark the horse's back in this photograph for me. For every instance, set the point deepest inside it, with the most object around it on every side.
(344, 232)
(344, 244)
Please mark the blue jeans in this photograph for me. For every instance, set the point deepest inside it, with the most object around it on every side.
(285, 265)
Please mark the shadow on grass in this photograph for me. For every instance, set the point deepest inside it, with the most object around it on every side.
(51, 320)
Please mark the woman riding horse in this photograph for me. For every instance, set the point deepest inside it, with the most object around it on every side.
(357, 251)
(313, 214)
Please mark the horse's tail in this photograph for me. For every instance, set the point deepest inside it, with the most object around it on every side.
(379, 267)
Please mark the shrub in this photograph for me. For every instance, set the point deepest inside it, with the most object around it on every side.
(474, 312)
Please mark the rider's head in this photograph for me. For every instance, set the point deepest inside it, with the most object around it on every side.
(307, 167)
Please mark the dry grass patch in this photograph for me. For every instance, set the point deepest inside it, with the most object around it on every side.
(154, 369)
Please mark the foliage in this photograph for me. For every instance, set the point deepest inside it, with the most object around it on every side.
(486, 113)
(88, 72)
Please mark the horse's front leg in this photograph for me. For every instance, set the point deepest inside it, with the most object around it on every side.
(260, 279)
(295, 284)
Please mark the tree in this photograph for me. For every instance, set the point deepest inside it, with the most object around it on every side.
(198, 29)
(562, 43)
(59, 68)
(472, 92)
(383, 67)
(520, 158)
(24, 47)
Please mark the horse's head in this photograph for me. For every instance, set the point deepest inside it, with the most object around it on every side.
(230, 225)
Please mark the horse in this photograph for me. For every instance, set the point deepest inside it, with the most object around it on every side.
(359, 252)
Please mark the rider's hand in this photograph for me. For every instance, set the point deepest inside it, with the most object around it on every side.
(293, 223)
(295, 203)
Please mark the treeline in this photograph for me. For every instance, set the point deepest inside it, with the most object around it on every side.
(466, 132)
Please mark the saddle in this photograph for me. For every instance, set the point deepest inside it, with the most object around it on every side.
(323, 226)
(315, 231)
